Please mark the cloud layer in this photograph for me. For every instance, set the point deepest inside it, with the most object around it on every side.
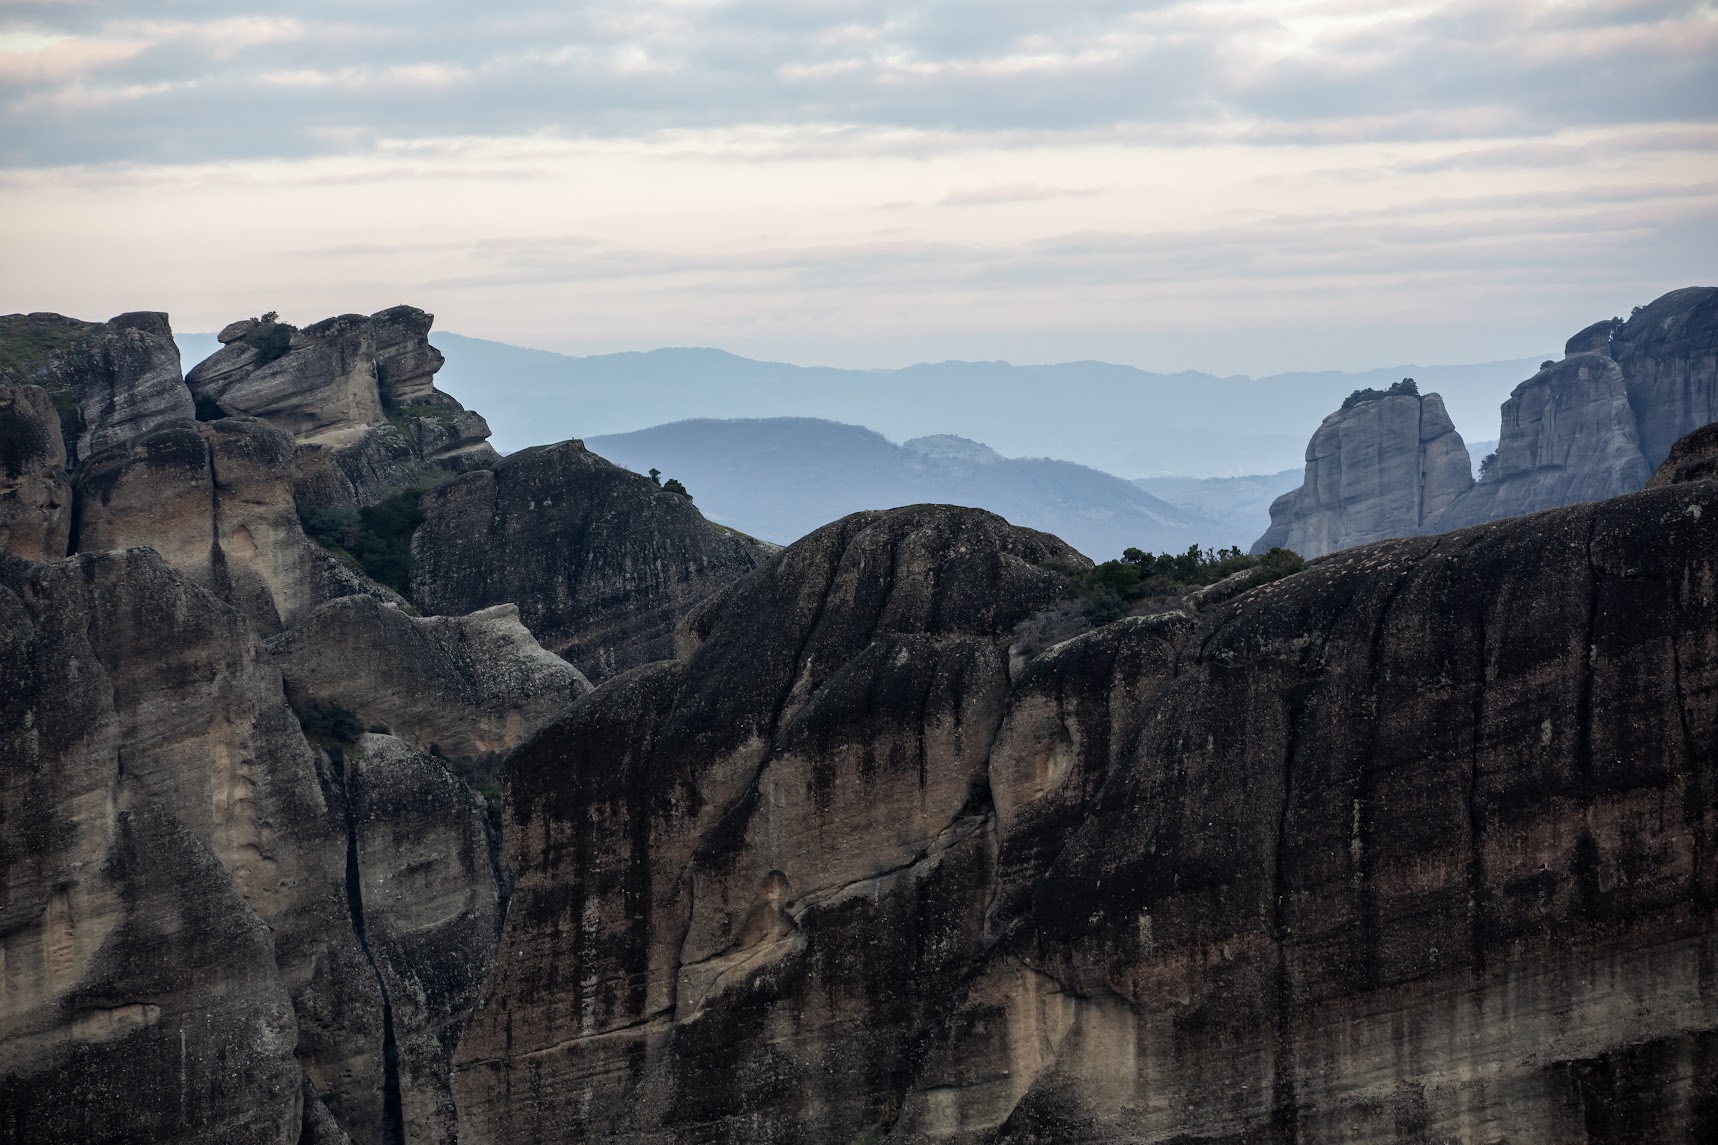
(122, 81)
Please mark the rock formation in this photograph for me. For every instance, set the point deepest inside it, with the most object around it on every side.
(112, 381)
(1591, 426)
(1415, 845)
(35, 498)
(600, 561)
(358, 395)
(1668, 352)
(462, 686)
(1568, 436)
(1379, 468)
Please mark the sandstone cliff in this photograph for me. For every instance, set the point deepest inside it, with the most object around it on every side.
(1415, 845)
(1379, 468)
(600, 561)
(1568, 436)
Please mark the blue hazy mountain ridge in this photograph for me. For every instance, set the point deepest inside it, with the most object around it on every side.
(1115, 418)
(780, 478)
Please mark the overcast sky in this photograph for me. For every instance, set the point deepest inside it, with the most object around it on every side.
(1235, 186)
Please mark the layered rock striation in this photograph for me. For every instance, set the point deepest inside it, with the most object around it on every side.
(358, 396)
(1380, 468)
(600, 561)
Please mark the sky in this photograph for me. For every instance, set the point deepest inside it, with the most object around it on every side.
(1238, 187)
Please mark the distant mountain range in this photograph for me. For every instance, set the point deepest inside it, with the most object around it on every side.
(1115, 418)
(779, 478)
(775, 449)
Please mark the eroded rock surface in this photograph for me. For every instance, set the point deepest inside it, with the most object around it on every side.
(1668, 351)
(111, 381)
(1381, 468)
(465, 686)
(215, 499)
(600, 561)
(795, 849)
(358, 396)
(1568, 436)
(35, 497)
(1415, 845)
(1591, 426)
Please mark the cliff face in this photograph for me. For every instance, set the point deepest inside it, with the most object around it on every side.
(1415, 845)
(600, 561)
(1568, 436)
(1381, 468)
(1669, 353)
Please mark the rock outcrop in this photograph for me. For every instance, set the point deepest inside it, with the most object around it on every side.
(1694, 458)
(600, 561)
(358, 396)
(1568, 436)
(1668, 352)
(460, 686)
(1591, 426)
(1379, 468)
(35, 498)
(1415, 845)
(111, 381)
(793, 819)
(215, 499)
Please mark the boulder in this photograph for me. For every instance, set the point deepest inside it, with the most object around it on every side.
(601, 561)
(1380, 468)
(35, 498)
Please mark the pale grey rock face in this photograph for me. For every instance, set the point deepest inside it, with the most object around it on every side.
(358, 396)
(1568, 436)
(127, 381)
(430, 888)
(465, 686)
(1379, 469)
(1594, 339)
(1669, 355)
(35, 498)
(216, 500)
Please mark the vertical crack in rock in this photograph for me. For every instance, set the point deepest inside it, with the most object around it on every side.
(393, 1109)
(1694, 795)
(1475, 815)
(1284, 1115)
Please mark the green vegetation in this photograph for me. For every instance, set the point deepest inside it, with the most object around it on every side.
(672, 485)
(377, 538)
(270, 338)
(1111, 589)
(1405, 386)
(1487, 464)
(1546, 364)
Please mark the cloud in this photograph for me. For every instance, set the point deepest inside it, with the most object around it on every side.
(214, 84)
